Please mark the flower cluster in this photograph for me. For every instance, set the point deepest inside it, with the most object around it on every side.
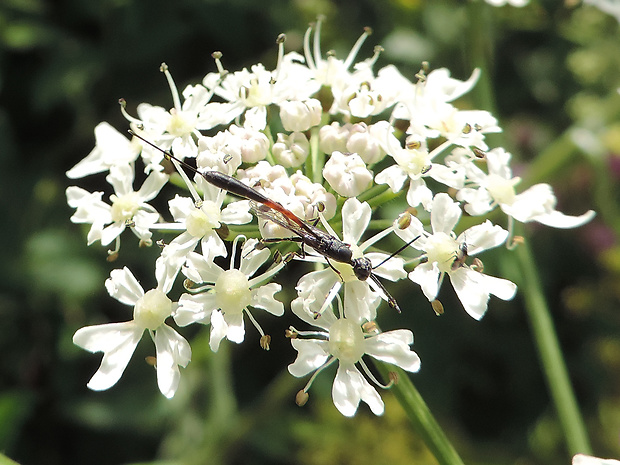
(311, 149)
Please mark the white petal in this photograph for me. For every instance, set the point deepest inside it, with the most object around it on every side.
(360, 301)
(311, 354)
(237, 213)
(419, 193)
(393, 347)
(236, 327)
(394, 176)
(482, 237)
(427, 275)
(350, 387)
(109, 233)
(219, 328)
(445, 213)
(172, 350)
(355, 218)
(195, 309)
(312, 290)
(117, 341)
(152, 185)
(252, 258)
(111, 148)
(263, 298)
(124, 287)
(555, 219)
(393, 269)
(473, 290)
(581, 459)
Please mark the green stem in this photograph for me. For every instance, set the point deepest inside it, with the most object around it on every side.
(421, 417)
(550, 355)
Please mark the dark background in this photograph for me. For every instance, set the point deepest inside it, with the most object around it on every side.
(549, 69)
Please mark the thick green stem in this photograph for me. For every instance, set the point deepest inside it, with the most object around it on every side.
(421, 417)
(550, 355)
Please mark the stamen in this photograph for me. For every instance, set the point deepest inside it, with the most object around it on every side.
(173, 88)
(233, 254)
(217, 56)
(255, 323)
(307, 54)
(123, 103)
(356, 47)
(315, 374)
(376, 238)
(280, 41)
(372, 377)
(317, 39)
(190, 185)
(113, 253)
(328, 300)
(377, 51)
(267, 274)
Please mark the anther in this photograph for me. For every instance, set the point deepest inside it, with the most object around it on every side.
(437, 307)
(302, 398)
(477, 265)
(479, 153)
(150, 360)
(265, 341)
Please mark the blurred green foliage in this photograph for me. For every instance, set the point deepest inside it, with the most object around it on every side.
(551, 76)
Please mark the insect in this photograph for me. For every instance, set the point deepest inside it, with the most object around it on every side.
(460, 256)
(309, 235)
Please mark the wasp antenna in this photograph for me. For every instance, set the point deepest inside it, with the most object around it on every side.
(393, 254)
(167, 154)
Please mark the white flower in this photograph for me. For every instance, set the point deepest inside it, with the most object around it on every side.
(344, 340)
(111, 149)
(225, 295)
(118, 341)
(498, 188)
(128, 207)
(581, 459)
(199, 219)
(314, 287)
(179, 124)
(414, 162)
(249, 93)
(446, 254)
(347, 174)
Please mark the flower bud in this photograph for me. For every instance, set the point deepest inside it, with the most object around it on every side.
(334, 138)
(300, 116)
(291, 150)
(253, 145)
(366, 141)
(347, 174)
